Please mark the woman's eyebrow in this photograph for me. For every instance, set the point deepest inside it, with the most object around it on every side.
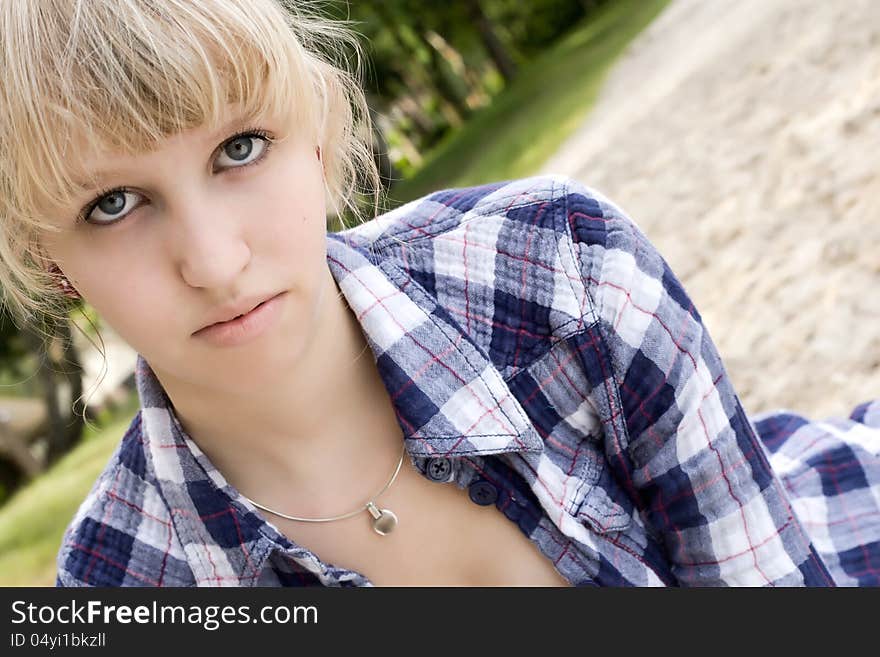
(213, 138)
(93, 182)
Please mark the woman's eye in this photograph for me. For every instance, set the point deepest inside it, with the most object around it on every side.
(238, 151)
(112, 206)
(242, 150)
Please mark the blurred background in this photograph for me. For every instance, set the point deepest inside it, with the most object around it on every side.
(743, 137)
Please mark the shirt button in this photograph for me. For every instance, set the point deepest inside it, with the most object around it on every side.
(438, 469)
(483, 493)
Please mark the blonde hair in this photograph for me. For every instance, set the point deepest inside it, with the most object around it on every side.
(124, 74)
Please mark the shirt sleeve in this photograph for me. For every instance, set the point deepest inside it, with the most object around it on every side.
(830, 469)
(675, 434)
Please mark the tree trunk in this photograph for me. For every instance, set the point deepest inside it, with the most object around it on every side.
(432, 78)
(442, 82)
(493, 44)
(588, 6)
(72, 371)
(65, 428)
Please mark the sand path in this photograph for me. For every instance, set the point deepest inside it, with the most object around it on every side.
(744, 138)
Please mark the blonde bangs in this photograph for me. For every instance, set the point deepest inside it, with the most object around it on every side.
(123, 75)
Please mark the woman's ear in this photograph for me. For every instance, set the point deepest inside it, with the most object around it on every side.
(323, 168)
(61, 283)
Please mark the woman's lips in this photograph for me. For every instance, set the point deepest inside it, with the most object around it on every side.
(245, 328)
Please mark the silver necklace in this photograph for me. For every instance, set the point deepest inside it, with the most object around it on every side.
(384, 520)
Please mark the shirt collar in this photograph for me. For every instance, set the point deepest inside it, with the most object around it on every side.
(449, 398)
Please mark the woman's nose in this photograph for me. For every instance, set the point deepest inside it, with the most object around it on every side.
(210, 244)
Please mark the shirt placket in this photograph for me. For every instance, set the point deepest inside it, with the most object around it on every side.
(490, 481)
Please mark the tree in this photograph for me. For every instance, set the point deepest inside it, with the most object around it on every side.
(496, 49)
(60, 377)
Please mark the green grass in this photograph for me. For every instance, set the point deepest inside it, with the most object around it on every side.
(33, 521)
(527, 122)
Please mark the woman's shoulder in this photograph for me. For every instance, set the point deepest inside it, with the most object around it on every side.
(554, 224)
(538, 201)
(122, 533)
(549, 246)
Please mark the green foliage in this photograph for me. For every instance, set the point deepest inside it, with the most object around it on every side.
(15, 359)
(19, 360)
(529, 121)
(533, 26)
(434, 59)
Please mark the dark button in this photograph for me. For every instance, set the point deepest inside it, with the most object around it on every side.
(438, 469)
(483, 493)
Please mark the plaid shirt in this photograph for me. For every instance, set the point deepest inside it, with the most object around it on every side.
(540, 353)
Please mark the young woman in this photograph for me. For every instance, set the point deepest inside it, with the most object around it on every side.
(500, 385)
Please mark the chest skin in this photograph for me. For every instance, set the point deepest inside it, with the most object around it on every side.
(442, 539)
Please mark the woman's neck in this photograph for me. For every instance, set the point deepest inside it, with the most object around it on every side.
(321, 436)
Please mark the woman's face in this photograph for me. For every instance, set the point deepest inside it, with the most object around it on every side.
(203, 224)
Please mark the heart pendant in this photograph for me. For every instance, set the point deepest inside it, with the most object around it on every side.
(384, 520)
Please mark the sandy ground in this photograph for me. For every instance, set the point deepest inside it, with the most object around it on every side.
(744, 138)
